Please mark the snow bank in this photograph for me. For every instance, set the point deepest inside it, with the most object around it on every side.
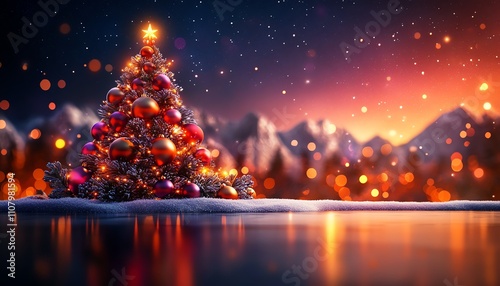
(205, 205)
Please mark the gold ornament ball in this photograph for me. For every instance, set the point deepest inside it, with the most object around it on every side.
(228, 192)
(163, 150)
(121, 149)
(145, 108)
(251, 192)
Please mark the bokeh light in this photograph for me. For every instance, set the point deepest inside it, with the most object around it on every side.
(311, 146)
(35, 134)
(4, 104)
(60, 143)
(61, 84)
(341, 180)
(65, 28)
(311, 173)
(45, 84)
(94, 65)
(269, 183)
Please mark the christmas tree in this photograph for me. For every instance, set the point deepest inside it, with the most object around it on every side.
(147, 144)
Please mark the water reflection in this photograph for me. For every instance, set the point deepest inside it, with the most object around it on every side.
(330, 248)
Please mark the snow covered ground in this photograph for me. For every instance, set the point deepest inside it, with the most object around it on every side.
(205, 205)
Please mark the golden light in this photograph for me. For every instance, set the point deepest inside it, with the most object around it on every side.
(457, 165)
(424, 96)
(363, 179)
(341, 180)
(311, 146)
(233, 172)
(484, 87)
(385, 195)
(463, 134)
(215, 153)
(478, 173)
(487, 106)
(364, 109)
(244, 170)
(60, 143)
(311, 173)
(487, 135)
(447, 39)
(375, 193)
(444, 196)
(409, 177)
(294, 142)
(149, 33)
(383, 177)
(3, 124)
(331, 128)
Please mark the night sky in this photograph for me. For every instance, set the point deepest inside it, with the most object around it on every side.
(282, 59)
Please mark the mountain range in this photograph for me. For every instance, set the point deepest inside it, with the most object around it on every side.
(456, 157)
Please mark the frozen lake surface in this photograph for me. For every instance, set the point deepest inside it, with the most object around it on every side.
(286, 248)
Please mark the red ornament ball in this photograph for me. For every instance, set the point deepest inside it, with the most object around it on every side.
(204, 156)
(99, 130)
(145, 108)
(228, 192)
(172, 116)
(163, 188)
(147, 52)
(193, 133)
(137, 84)
(117, 121)
(76, 177)
(161, 81)
(190, 190)
(164, 151)
(121, 149)
(149, 67)
(115, 95)
(90, 149)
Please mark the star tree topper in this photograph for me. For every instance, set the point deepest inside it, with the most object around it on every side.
(149, 36)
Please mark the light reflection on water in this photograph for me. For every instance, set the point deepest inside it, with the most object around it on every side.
(331, 248)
